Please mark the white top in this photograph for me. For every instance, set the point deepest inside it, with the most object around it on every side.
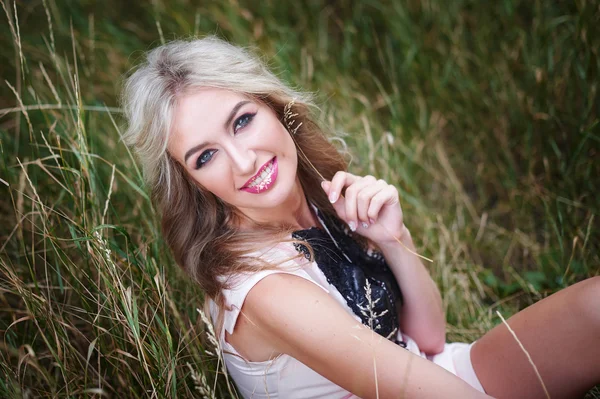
(284, 376)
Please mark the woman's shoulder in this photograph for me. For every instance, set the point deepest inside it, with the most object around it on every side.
(279, 259)
(268, 310)
(252, 295)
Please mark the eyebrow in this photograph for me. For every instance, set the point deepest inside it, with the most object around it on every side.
(198, 147)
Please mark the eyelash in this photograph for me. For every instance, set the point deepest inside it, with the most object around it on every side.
(238, 124)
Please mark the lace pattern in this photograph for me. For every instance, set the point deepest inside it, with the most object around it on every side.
(362, 277)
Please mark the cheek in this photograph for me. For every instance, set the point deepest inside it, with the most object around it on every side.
(292, 151)
(217, 182)
(282, 141)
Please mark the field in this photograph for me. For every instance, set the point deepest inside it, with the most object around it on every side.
(485, 115)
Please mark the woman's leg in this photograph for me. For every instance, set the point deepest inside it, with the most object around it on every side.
(561, 334)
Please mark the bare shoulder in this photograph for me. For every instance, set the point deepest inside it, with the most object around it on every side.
(264, 304)
(246, 337)
(291, 315)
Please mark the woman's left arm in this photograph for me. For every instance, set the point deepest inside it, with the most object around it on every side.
(372, 208)
(422, 315)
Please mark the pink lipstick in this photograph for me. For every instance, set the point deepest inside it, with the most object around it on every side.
(264, 179)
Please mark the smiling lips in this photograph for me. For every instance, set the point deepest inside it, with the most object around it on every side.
(264, 179)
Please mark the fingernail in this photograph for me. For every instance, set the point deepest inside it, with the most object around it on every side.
(365, 225)
(371, 221)
(352, 226)
(332, 197)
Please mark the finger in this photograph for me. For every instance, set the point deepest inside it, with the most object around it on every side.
(337, 182)
(326, 186)
(388, 195)
(352, 198)
(340, 180)
(340, 208)
(364, 200)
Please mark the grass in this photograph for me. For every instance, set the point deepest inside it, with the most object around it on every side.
(485, 116)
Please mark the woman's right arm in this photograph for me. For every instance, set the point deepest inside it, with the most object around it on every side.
(300, 319)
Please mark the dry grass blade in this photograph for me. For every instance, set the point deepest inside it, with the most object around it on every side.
(21, 108)
(537, 373)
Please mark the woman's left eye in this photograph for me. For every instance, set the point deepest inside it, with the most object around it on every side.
(242, 121)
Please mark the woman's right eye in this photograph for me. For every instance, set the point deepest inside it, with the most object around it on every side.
(204, 158)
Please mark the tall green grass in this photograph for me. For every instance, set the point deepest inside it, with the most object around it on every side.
(484, 115)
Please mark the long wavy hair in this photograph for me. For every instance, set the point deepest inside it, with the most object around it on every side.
(196, 224)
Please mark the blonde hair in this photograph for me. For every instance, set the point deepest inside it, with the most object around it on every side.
(195, 223)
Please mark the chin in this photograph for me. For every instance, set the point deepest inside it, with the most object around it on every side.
(276, 196)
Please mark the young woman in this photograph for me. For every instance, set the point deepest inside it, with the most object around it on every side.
(310, 272)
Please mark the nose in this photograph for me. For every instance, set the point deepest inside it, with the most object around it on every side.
(243, 159)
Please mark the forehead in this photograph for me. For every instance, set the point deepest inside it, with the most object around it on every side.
(206, 105)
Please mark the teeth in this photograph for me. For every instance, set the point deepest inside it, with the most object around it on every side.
(259, 179)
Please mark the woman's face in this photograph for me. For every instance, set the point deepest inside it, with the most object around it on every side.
(236, 148)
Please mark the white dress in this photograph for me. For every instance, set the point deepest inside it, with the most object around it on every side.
(286, 377)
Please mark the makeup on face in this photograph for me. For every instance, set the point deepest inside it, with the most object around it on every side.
(238, 124)
(264, 179)
(237, 148)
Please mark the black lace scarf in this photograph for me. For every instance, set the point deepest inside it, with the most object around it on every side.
(353, 271)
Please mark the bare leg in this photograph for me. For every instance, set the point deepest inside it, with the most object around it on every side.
(561, 334)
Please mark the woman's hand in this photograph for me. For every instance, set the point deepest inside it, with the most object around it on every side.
(370, 207)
